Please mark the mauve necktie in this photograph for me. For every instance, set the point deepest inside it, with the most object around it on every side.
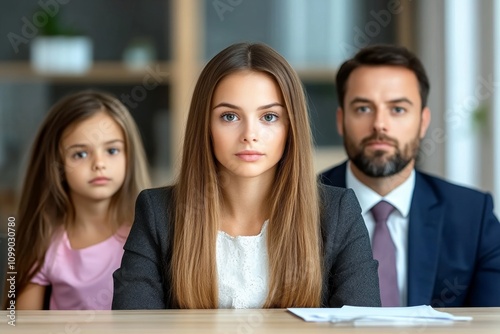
(385, 252)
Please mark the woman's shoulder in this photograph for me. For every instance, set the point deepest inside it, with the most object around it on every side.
(332, 194)
(154, 205)
(156, 198)
(338, 203)
(158, 194)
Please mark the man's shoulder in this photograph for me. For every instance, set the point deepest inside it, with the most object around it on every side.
(335, 169)
(447, 189)
(458, 199)
(334, 176)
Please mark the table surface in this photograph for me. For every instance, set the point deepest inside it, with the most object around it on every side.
(485, 320)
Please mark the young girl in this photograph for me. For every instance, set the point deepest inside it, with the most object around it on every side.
(87, 166)
(247, 225)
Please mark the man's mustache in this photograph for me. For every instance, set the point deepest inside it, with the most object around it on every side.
(379, 137)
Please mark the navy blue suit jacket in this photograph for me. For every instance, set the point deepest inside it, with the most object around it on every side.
(453, 243)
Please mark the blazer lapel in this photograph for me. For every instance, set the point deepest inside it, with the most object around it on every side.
(426, 221)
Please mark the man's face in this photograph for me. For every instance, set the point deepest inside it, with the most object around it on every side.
(382, 122)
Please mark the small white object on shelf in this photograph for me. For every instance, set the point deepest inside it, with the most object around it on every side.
(139, 54)
(61, 54)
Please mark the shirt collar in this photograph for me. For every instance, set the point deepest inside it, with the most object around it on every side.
(399, 197)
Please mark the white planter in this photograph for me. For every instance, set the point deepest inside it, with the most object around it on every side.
(61, 54)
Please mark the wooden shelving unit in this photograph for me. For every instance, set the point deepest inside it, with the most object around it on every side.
(112, 72)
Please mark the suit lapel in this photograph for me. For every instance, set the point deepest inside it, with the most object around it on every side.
(426, 221)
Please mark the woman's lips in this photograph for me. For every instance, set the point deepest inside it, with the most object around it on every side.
(249, 156)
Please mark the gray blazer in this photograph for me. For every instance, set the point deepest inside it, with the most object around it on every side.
(350, 272)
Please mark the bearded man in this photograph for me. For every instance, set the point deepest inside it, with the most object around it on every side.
(437, 243)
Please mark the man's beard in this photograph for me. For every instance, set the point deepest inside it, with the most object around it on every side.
(380, 164)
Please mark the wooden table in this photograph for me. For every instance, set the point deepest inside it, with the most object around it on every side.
(486, 320)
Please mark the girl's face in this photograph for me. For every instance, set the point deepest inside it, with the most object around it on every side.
(249, 124)
(94, 158)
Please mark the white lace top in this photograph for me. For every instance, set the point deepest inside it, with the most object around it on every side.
(242, 270)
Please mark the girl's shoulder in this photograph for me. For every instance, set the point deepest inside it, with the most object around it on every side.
(124, 230)
(58, 237)
(59, 243)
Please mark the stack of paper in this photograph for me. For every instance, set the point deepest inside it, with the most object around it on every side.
(378, 316)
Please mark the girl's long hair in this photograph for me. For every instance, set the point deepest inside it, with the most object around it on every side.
(293, 241)
(45, 204)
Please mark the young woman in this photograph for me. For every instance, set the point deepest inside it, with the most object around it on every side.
(86, 167)
(246, 225)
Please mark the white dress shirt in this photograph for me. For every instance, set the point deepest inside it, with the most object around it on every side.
(397, 222)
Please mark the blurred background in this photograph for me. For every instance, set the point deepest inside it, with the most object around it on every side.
(150, 52)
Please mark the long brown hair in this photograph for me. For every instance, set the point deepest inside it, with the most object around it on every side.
(45, 204)
(293, 242)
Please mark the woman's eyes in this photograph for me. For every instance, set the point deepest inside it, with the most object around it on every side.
(231, 117)
(270, 117)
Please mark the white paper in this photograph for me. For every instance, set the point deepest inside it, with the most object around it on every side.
(378, 316)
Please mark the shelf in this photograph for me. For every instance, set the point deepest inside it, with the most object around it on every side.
(116, 72)
(317, 74)
(101, 72)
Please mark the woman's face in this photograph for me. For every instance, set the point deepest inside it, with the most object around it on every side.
(249, 124)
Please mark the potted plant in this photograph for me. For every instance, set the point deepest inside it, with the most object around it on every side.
(60, 49)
